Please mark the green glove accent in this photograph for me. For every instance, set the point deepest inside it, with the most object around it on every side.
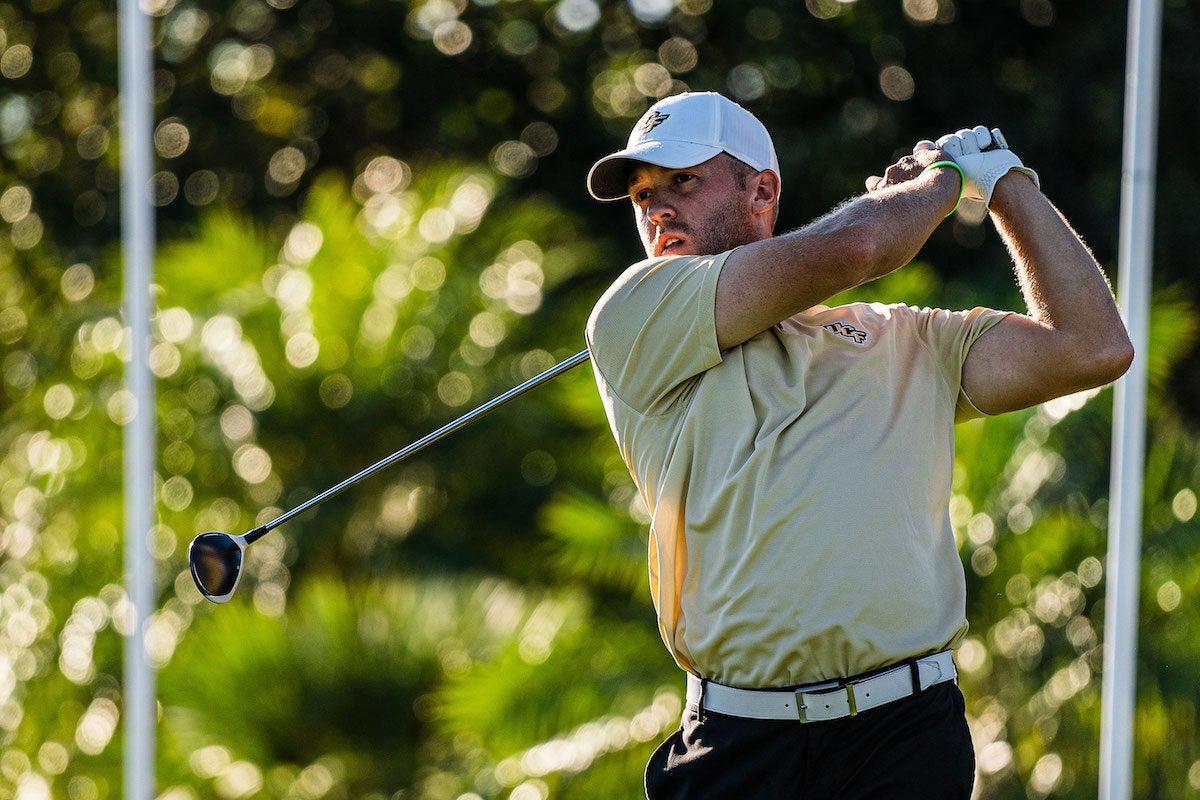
(962, 183)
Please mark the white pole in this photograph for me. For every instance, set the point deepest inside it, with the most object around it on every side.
(137, 235)
(1129, 413)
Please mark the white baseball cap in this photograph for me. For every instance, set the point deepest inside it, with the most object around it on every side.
(682, 131)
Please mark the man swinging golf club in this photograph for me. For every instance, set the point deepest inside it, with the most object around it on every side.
(796, 459)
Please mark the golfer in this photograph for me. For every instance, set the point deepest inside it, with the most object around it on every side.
(796, 459)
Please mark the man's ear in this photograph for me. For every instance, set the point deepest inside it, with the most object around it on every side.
(765, 201)
(766, 191)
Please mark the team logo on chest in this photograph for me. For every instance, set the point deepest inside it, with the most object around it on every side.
(847, 332)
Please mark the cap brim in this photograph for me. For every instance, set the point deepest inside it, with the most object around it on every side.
(609, 177)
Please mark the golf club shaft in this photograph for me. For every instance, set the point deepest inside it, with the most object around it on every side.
(422, 443)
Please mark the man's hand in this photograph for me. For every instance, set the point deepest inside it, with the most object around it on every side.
(907, 168)
(984, 157)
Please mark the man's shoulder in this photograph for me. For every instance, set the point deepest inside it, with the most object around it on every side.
(629, 277)
(667, 264)
(654, 328)
(655, 275)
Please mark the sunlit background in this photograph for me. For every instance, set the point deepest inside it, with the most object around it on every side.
(371, 219)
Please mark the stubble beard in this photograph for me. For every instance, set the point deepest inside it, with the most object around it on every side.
(721, 232)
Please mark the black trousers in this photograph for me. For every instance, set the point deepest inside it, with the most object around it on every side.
(918, 747)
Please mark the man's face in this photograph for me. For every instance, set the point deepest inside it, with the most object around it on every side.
(698, 210)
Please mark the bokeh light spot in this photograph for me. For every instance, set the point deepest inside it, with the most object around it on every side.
(210, 761)
(59, 401)
(1183, 505)
(13, 324)
(237, 423)
(859, 116)
(93, 142)
(487, 329)
(175, 324)
(417, 342)
(252, 463)
(27, 232)
(303, 243)
(1169, 596)
(377, 73)
(763, 24)
(577, 16)
(541, 138)
(1091, 572)
(97, 726)
(81, 787)
(386, 174)
(428, 274)
(16, 61)
(90, 207)
(651, 11)
(436, 226)
(452, 37)
(171, 138)
(921, 11)
(201, 187)
(995, 757)
(1039, 13)
(122, 407)
(177, 493)
(15, 203)
(294, 289)
(514, 159)
(678, 55)
(454, 389)
(302, 350)
(548, 95)
(747, 82)
(1046, 774)
(518, 37)
(287, 165)
(538, 468)
(164, 188)
(897, 83)
(53, 758)
(336, 391)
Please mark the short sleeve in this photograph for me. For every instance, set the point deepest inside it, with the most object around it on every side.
(950, 335)
(655, 328)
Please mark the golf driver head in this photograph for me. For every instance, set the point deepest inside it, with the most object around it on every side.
(216, 562)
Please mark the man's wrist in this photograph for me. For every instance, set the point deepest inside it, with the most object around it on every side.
(1011, 187)
(944, 171)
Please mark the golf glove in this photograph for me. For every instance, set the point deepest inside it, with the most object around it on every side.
(985, 158)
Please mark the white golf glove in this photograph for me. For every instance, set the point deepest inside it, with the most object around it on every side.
(985, 158)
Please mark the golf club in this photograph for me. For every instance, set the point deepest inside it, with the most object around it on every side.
(216, 558)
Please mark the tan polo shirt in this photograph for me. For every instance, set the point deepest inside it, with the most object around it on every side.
(798, 483)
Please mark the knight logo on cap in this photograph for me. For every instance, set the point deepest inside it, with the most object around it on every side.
(653, 121)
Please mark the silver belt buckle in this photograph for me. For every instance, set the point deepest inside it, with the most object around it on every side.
(847, 687)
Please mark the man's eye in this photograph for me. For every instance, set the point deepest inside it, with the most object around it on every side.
(683, 177)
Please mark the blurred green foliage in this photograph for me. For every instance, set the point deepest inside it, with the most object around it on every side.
(372, 219)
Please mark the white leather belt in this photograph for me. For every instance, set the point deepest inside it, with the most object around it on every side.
(824, 701)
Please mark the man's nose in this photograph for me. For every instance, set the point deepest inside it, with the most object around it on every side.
(660, 211)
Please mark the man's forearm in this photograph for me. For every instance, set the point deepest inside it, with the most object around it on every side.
(866, 238)
(896, 220)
